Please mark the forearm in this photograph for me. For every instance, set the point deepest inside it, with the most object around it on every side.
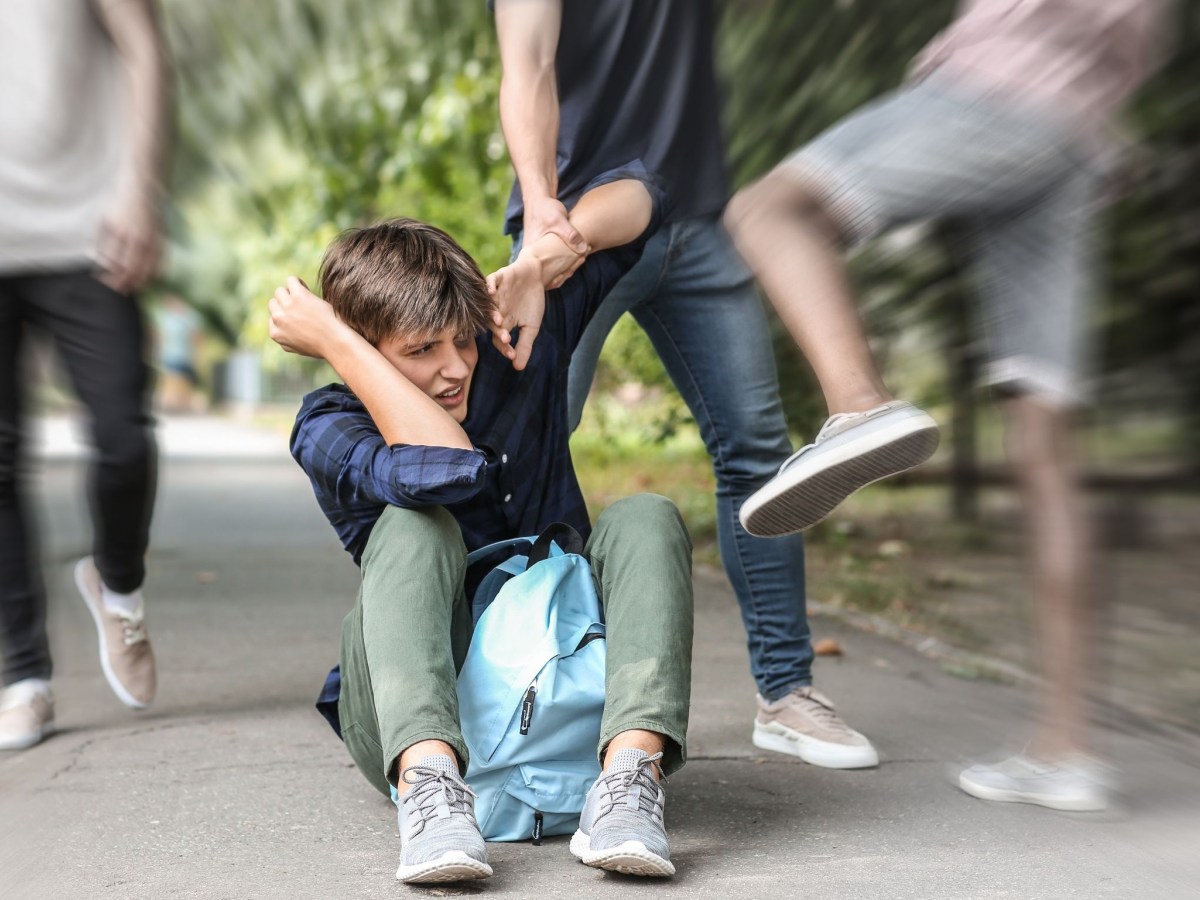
(613, 214)
(610, 215)
(402, 412)
(528, 32)
(529, 119)
(134, 29)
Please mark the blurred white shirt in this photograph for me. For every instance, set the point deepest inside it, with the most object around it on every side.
(61, 133)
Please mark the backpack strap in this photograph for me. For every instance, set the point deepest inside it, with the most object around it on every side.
(483, 552)
(560, 533)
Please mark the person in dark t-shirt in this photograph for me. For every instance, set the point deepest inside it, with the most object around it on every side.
(586, 85)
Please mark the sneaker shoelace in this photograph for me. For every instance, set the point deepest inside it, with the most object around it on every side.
(830, 425)
(822, 711)
(133, 631)
(430, 789)
(618, 785)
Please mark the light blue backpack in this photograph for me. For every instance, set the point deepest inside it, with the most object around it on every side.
(531, 692)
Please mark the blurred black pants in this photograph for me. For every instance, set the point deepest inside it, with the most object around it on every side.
(100, 337)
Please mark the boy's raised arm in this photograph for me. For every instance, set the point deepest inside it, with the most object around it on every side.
(303, 323)
(609, 215)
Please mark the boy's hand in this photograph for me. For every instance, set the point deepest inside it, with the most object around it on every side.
(301, 322)
(519, 294)
(559, 262)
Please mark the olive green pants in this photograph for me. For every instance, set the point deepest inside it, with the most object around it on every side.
(408, 634)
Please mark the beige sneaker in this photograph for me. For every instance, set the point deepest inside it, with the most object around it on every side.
(26, 715)
(804, 723)
(125, 653)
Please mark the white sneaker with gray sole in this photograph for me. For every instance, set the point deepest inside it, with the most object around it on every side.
(851, 451)
(1078, 784)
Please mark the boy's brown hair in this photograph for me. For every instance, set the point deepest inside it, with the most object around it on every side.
(404, 277)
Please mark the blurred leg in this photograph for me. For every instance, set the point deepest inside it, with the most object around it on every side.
(792, 245)
(23, 642)
(100, 336)
(1038, 270)
(1044, 464)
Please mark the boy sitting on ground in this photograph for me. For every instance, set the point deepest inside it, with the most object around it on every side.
(436, 445)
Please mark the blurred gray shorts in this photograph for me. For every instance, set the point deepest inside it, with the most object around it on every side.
(1018, 183)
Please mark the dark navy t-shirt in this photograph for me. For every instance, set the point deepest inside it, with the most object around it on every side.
(636, 80)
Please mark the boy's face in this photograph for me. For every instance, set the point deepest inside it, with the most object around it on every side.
(440, 365)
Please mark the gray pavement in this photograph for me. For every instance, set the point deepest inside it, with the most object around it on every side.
(233, 787)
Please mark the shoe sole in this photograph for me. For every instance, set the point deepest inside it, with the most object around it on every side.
(1050, 801)
(629, 858)
(801, 495)
(454, 865)
(781, 739)
(110, 676)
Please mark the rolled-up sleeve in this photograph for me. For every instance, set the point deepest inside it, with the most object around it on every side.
(413, 476)
(354, 471)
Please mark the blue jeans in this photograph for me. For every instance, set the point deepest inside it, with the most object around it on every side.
(696, 301)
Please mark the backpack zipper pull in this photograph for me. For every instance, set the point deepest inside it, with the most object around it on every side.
(537, 828)
(527, 706)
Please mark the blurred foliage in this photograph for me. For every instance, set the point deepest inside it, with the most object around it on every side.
(299, 118)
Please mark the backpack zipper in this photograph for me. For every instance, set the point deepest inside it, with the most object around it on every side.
(527, 706)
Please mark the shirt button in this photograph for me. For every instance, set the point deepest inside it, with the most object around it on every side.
(503, 457)
(507, 498)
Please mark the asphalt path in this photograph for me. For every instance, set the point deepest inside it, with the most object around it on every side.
(233, 787)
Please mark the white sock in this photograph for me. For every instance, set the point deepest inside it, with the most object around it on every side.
(123, 604)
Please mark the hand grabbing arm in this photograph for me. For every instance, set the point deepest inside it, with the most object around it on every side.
(528, 32)
(610, 215)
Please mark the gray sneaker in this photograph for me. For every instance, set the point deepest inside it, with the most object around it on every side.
(1078, 784)
(850, 451)
(621, 827)
(439, 837)
(806, 724)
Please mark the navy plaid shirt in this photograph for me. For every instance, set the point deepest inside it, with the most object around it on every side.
(519, 478)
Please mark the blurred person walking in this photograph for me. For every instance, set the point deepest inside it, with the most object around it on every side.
(590, 86)
(180, 339)
(1002, 126)
(82, 105)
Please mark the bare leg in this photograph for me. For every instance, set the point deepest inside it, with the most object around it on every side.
(791, 244)
(1040, 449)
